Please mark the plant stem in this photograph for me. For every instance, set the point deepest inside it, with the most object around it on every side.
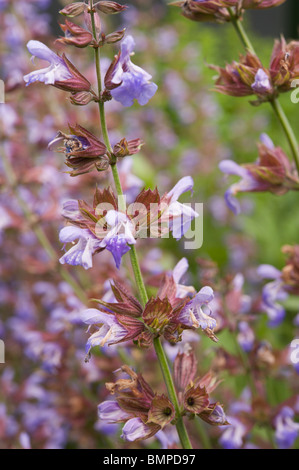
(241, 32)
(38, 231)
(182, 432)
(288, 130)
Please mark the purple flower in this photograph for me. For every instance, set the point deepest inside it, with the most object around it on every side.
(81, 253)
(267, 141)
(232, 437)
(218, 417)
(261, 82)
(193, 315)
(247, 183)
(272, 293)
(180, 215)
(108, 329)
(56, 72)
(111, 412)
(135, 429)
(168, 437)
(245, 336)
(287, 430)
(178, 272)
(134, 81)
(120, 234)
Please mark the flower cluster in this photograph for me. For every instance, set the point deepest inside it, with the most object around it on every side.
(104, 225)
(249, 77)
(146, 413)
(272, 172)
(217, 10)
(283, 284)
(143, 412)
(166, 315)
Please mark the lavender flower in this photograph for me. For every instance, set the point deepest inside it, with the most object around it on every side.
(287, 430)
(245, 336)
(108, 329)
(261, 82)
(111, 412)
(180, 215)
(81, 253)
(120, 234)
(57, 71)
(247, 183)
(133, 81)
(193, 315)
(178, 272)
(232, 437)
(135, 429)
(272, 293)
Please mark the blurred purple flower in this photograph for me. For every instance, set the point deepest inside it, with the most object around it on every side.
(287, 430)
(180, 215)
(272, 293)
(247, 183)
(232, 437)
(245, 336)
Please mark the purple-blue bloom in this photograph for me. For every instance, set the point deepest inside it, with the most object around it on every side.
(108, 329)
(178, 272)
(247, 183)
(273, 292)
(181, 215)
(120, 234)
(245, 336)
(111, 412)
(232, 437)
(134, 81)
(81, 253)
(135, 429)
(287, 430)
(193, 315)
(261, 82)
(57, 70)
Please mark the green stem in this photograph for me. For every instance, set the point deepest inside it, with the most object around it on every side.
(182, 432)
(38, 231)
(241, 32)
(180, 426)
(288, 130)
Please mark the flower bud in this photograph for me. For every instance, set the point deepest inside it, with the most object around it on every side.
(75, 35)
(125, 148)
(184, 369)
(110, 8)
(74, 9)
(261, 4)
(114, 37)
(82, 98)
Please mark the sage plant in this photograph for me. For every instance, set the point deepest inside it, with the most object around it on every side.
(95, 327)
